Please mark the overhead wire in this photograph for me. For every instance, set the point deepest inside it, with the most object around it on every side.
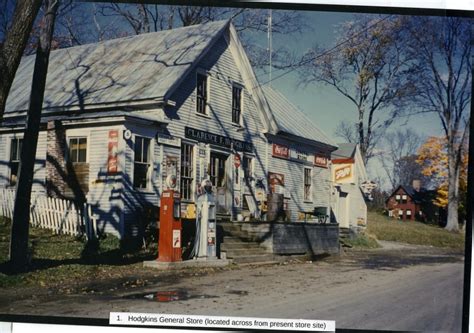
(331, 50)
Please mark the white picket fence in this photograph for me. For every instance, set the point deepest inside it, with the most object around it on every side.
(60, 216)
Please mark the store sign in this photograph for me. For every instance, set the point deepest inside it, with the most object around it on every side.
(280, 151)
(321, 161)
(343, 173)
(218, 140)
(112, 152)
(168, 140)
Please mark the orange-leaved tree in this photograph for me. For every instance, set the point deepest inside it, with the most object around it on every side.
(433, 157)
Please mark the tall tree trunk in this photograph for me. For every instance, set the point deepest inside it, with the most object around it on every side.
(361, 139)
(453, 189)
(12, 48)
(20, 225)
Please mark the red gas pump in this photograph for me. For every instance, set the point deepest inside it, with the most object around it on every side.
(169, 245)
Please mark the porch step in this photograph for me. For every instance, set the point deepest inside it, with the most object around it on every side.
(242, 246)
(231, 243)
(255, 258)
(236, 253)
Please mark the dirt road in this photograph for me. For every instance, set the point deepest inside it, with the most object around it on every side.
(396, 288)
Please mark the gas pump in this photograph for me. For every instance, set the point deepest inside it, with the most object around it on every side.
(169, 245)
(205, 240)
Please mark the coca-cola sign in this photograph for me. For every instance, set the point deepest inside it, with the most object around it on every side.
(320, 161)
(280, 151)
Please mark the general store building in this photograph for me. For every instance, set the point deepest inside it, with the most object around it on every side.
(121, 115)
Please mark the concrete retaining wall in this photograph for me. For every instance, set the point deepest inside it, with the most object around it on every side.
(293, 237)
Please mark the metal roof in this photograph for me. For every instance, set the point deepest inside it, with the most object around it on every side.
(125, 69)
(291, 120)
(346, 150)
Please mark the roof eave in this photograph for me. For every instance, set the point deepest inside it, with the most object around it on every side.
(303, 140)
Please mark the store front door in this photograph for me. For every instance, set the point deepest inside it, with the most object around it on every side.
(220, 182)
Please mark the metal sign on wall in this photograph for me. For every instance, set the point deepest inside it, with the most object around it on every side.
(275, 180)
(168, 140)
(321, 161)
(280, 151)
(218, 140)
(343, 174)
(112, 152)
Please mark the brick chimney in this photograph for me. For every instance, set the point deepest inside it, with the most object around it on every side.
(55, 159)
(416, 185)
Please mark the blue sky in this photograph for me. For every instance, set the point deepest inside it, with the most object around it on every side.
(323, 104)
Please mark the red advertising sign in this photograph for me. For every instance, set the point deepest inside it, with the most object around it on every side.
(113, 149)
(274, 180)
(280, 151)
(320, 161)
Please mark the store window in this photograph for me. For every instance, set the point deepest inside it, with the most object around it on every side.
(141, 164)
(404, 198)
(186, 171)
(201, 93)
(236, 104)
(15, 150)
(307, 184)
(78, 150)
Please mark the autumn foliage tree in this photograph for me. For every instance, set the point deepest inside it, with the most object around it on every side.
(441, 79)
(433, 157)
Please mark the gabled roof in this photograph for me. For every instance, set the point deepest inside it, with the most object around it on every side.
(417, 196)
(345, 150)
(135, 68)
(291, 120)
(144, 70)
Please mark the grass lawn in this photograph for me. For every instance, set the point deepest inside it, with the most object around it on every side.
(411, 232)
(63, 261)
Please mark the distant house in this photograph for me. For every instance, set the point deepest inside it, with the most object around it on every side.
(412, 203)
(348, 202)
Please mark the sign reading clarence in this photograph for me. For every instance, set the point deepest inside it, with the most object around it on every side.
(218, 140)
(280, 151)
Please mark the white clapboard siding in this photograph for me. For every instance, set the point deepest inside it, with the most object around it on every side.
(60, 216)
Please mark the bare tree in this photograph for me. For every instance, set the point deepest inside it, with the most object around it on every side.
(367, 67)
(14, 37)
(21, 210)
(347, 131)
(399, 157)
(442, 81)
(141, 18)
